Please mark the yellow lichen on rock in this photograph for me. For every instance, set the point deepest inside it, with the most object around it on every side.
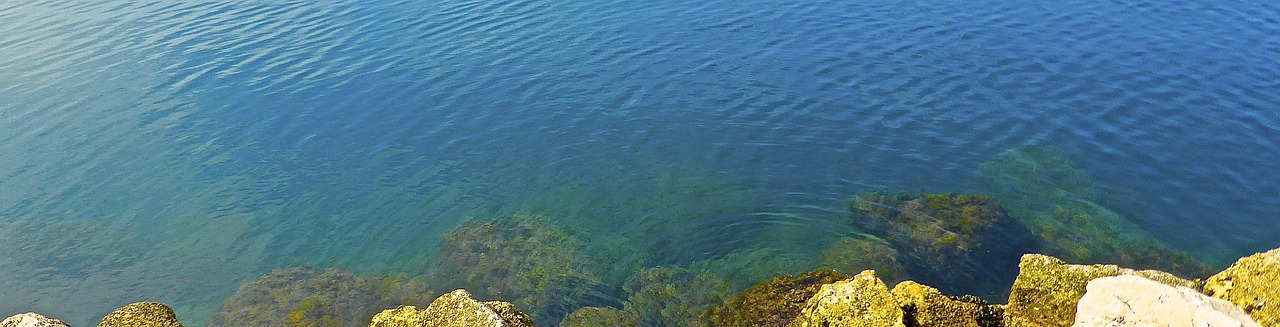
(455, 309)
(141, 314)
(928, 307)
(1253, 283)
(1047, 290)
(863, 300)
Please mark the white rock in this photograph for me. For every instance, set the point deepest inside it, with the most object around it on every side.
(31, 319)
(1136, 301)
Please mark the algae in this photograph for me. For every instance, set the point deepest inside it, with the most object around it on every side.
(863, 300)
(141, 314)
(310, 297)
(539, 266)
(1047, 289)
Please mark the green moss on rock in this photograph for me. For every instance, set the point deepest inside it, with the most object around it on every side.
(454, 309)
(1253, 283)
(925, 306)
(141, 314)
(594, 317)
(310, 297)
(1047, 290)
(774, 302)
(863, 300)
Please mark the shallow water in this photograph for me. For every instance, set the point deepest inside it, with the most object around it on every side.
(169, 151)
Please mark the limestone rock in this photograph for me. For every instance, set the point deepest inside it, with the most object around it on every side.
(456, 309)
(1047, 289)
(774, 302)
(1253, 283)
(1128, 300)
(928, 307)
(863, 300)
(31, 319)
(141, 314)
(593, 316)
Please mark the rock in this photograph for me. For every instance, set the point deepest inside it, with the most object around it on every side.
(1047, 289)
(593, 316)
(1253, 283)
(31, 319)
(853, 254)
(774, 302)
(141, 314)
(1129, 300)
(927, 307)
(863, 300)
(456, 309)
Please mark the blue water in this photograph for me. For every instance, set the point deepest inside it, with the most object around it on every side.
(171, 150)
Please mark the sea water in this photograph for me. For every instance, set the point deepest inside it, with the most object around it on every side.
(172, 150)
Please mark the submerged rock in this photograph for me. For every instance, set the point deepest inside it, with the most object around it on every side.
(863, 300)
(1047, 190)
(1047, 290)
(454, 309)
(538, 265)
(1129, 300)
(773, 302)
(317, 297)
(960, 242)
(1253, 283)
(31, 319)
(141, 314)
(854, 254)
(924, 306)
(673, 296)
(594, 316)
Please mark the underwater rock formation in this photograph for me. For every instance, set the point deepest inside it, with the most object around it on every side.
(863, 300)
(1044, 188)
(31, 319)
(1047, 290)
(141, 314)
(594, 316)
(964, 242)
(537, 265)
(774, 302)
(855, 254)
(454, 309)
(924, 306)
(317, 297)
(673, 296)
(1253, 283)
(1128, 300)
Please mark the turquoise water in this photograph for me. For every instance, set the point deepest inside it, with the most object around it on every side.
(170, 151)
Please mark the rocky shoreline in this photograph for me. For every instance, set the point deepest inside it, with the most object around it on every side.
(1047, 292)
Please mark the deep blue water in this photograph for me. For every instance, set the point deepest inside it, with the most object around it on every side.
(171, 150)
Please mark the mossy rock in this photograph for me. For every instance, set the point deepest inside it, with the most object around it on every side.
(536, 264)
(774, 302)
(673, 296)
(854, 254)
(863, 300)
(1047, 289)
(454, 309)
(310, 297)
(1253, 283)
(595, 316)
(31, 319)
(141, 314)
(924, 306)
